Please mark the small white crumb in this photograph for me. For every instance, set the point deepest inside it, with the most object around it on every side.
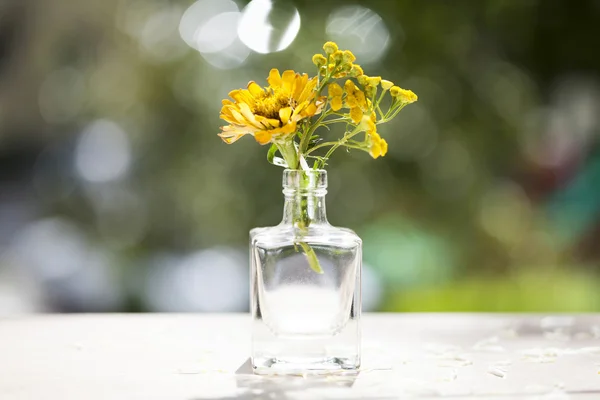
(497, 370)
(545, 355)
(454, 361)
(190, 371)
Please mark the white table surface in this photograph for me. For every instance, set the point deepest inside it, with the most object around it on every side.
(205, 356)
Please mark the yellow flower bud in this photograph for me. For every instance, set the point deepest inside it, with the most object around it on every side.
(386, 85)
(356, 70)
(360, 98)
(395, 91)
(384, 147)
(330, 47)
(370, 91)
(369, 125)
(351, 101)
(375, 149)
(404, 95)
(336, 103)
(356, 114)
(349, 57)
(335, 90)
(338, 56)
(319, 60)
(373, 80)
(349, 86)
(408, 96)
(362, 79)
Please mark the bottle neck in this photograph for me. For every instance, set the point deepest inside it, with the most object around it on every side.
(302, 208)
(304, 198)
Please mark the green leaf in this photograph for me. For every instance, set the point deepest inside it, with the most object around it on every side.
(311, 257)
(271, 153)
(280, 162)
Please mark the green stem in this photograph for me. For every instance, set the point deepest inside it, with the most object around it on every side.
(319, 146)
(307, 135)
(393, 112)
(289, 153)
(341, 142)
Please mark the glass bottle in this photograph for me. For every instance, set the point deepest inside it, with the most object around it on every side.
(305, 286)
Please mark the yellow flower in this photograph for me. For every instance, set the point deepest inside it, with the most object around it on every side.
(356, 70)
(335, 93)
(378, 146)
(370, 91)
(368, 124)
(270, 113)
(362, 80)
(354, 96)
(330, 47)
(386, 85)
(404, 95)
(319, 60)
(338, 56)
(349, 57)
(373, 80)
(356, 114)
(356, 101)
(384, 147)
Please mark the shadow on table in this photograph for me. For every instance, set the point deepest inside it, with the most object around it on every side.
(285, 387)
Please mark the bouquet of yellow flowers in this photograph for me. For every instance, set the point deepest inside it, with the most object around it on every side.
(288, 113)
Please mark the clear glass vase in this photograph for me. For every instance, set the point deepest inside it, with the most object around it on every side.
(305, 286)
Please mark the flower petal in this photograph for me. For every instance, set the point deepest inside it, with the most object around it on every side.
(299, 85)
(241, 96)
(285, 114)
(247, 113)
(298, 111)
(310, 110)
(268, 123)
(307, 92)
(263, 137)
(254, 89)
(287, 81)
(289, 128)
(274, 78)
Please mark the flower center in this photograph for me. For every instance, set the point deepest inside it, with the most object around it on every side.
(269, 104)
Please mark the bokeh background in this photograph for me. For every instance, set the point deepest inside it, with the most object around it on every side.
(117, 195)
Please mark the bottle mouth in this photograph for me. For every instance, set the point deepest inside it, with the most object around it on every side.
(301, 180)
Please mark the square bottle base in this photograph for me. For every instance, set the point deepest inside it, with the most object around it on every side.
(303, 366)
